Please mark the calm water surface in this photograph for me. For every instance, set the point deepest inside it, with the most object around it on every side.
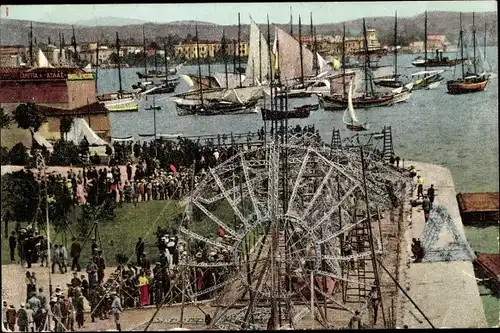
(459, 132)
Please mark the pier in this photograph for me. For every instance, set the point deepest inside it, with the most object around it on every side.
(445, 291)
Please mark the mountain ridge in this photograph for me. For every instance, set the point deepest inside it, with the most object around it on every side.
(15, 32)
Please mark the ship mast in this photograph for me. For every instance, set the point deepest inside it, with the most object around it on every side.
(224, 50)
(96, 65)
(32, 62)
(474, 41)
(239, 45)
(60, 50)
(301, 54)
(73, 42)
(367, 60)
(118, 63)
(343, 60)
(145, 54)
(396, 46)
(313, 46)
(199, 65)
(425, 41)
(462, 46)
(291, 22)
(166, 63)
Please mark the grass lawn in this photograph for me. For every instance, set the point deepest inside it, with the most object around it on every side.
(120, 235)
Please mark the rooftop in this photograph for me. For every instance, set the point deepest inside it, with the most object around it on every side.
(90, 109)
(478, 202)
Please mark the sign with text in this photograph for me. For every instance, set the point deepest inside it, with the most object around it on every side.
(52, 76)
(31, 76)
(81, 76)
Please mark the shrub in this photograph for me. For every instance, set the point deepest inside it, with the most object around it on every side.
(18, 155)
(4, 156)
(65, 153)
(95, 159)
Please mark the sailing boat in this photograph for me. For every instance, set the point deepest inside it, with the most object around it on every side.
(354, 124)
(120, 102)
(392, 81)
(439, 60)
(469, 82)
(297, 70)
(426, 79)
(370, 98)
(216, 101)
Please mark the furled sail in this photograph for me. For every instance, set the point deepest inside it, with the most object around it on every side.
(217, 80)
(289, 57)
(258, 62)
(233, 95)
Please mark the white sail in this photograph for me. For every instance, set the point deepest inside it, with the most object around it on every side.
(289, 57)
(42, 60)
(323, 65)
(258, 62)
(352, 113)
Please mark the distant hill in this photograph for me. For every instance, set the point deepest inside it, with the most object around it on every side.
(109, 21)
(409, 28)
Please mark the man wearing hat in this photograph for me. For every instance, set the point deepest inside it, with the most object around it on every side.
(116, 309)
(22, 319)
(4, 314)
(11, 317)
(355, 322)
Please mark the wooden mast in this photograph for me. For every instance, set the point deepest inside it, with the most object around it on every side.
(60, 50)
(239, 45)
(260, 56)
(425, 42)
(316, 52)
(396, 46)
(96, 66)
(145, 54)
(462, 46)
(313, 45)
(343, 60)
(224, 50)
(367, 56)
(301, 54)
(118, 63)
(291, 22)
(199, 65)
(474, 41)
(166, 63)
(32, 62)
(73, 42)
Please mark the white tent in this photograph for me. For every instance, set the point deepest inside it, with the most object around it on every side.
(43, 142)
(42, 60)
(80, 129)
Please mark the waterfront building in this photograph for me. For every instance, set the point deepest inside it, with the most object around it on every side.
(57, 92)
(11, 55)
(208, 48)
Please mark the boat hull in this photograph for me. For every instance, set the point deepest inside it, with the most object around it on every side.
(456, 87)
(220, 109)
(281, 115)
(341, 103)
(356, 128)
(388, 83)
(122, 105)
(438, 63)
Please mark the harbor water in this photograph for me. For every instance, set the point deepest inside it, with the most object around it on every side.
(459, 132)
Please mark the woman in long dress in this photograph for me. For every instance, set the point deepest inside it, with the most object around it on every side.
(80, 193)
(143, 289)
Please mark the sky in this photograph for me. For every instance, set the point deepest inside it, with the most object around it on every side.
(227, 13)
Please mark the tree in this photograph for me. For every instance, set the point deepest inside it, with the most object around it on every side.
(20, 197)
(28, 117)
(5, 119)
(65, 126)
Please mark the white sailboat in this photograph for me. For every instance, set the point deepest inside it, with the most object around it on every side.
(353, 124)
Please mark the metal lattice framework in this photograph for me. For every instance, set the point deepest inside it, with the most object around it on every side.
(281, 231)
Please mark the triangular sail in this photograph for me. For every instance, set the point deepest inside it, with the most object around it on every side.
(42, 60)
(289, 57)
(257, 63)
(352, 113)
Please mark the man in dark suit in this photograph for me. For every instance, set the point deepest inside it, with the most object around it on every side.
(12, 245)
